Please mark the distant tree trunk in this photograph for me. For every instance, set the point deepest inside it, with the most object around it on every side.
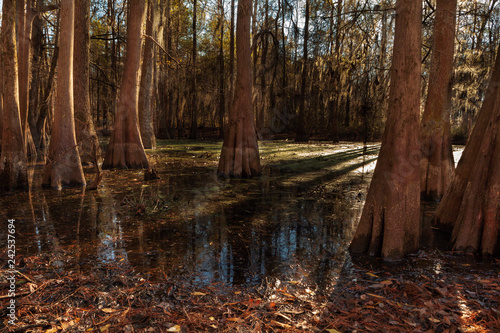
(463, 188)
(86, 136)
(165, 93)
(240, 151)
(47, 95)
(193, 132)
(231, 55)
(125, 149)
(301, 134)
(13, 170)
(390, 222)
(284, 80)
(64, 167)
(35, 85)
(24, 60)
(146, 90)
(437, 159)
(334, 102)
(222, 90)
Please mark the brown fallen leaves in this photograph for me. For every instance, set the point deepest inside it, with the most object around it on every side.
(426, 294)
(429, 293)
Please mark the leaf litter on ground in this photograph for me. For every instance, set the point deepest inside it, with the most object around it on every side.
(412, 296)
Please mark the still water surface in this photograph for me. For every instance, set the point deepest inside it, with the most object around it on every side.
(293, 223)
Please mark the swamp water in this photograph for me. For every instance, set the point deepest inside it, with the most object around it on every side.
(293, 223)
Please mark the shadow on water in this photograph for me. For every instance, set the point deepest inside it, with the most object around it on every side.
(294, 223)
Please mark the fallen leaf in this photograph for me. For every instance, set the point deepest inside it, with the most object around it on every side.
(108, 310)
(372, 275)
(197, 293)
(236, 320)
(277, 323)
(175, 328)
(105, 328)
(332, 330)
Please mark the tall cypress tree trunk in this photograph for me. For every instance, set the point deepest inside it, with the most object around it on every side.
(125, 149)
(449, 209)
(86, 135)
(222, 90)
(231, 54)
(64, 167)
(164, 130)
(477, 228)
(240, 151)
(13, 170)
(333, 128)
(35, 85)
(193, 132)
(435, 134)
(47, 93)
(301, 135)
(146, 90)
(390, 222)
(24, 61)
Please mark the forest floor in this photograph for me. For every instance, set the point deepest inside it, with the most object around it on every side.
(430, 291)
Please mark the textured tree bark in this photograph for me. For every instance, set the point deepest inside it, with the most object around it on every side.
(240, 151)
(390, 222)
(25, 16)
(13, 170)
(478, 221)
(222, 90)
(231, 53)
(449, 207)
(146, 90)
(64, 167)
(46, 98)
(333, 104)
(125, 149)
(164, 128)
(35, 90)
(193, 131)
(437, 164)
(86, 135)
(301, 135)
(472, 203)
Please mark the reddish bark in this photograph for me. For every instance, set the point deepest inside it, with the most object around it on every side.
(449, 208)
(86, 135)
(390, 222)
(25, 17)
(478, 221)
(472, 203)
(437, 164)
(13, 170)
(64, 167)
(301, 135)
(146, 89)
(240, 151)
(125, 148)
